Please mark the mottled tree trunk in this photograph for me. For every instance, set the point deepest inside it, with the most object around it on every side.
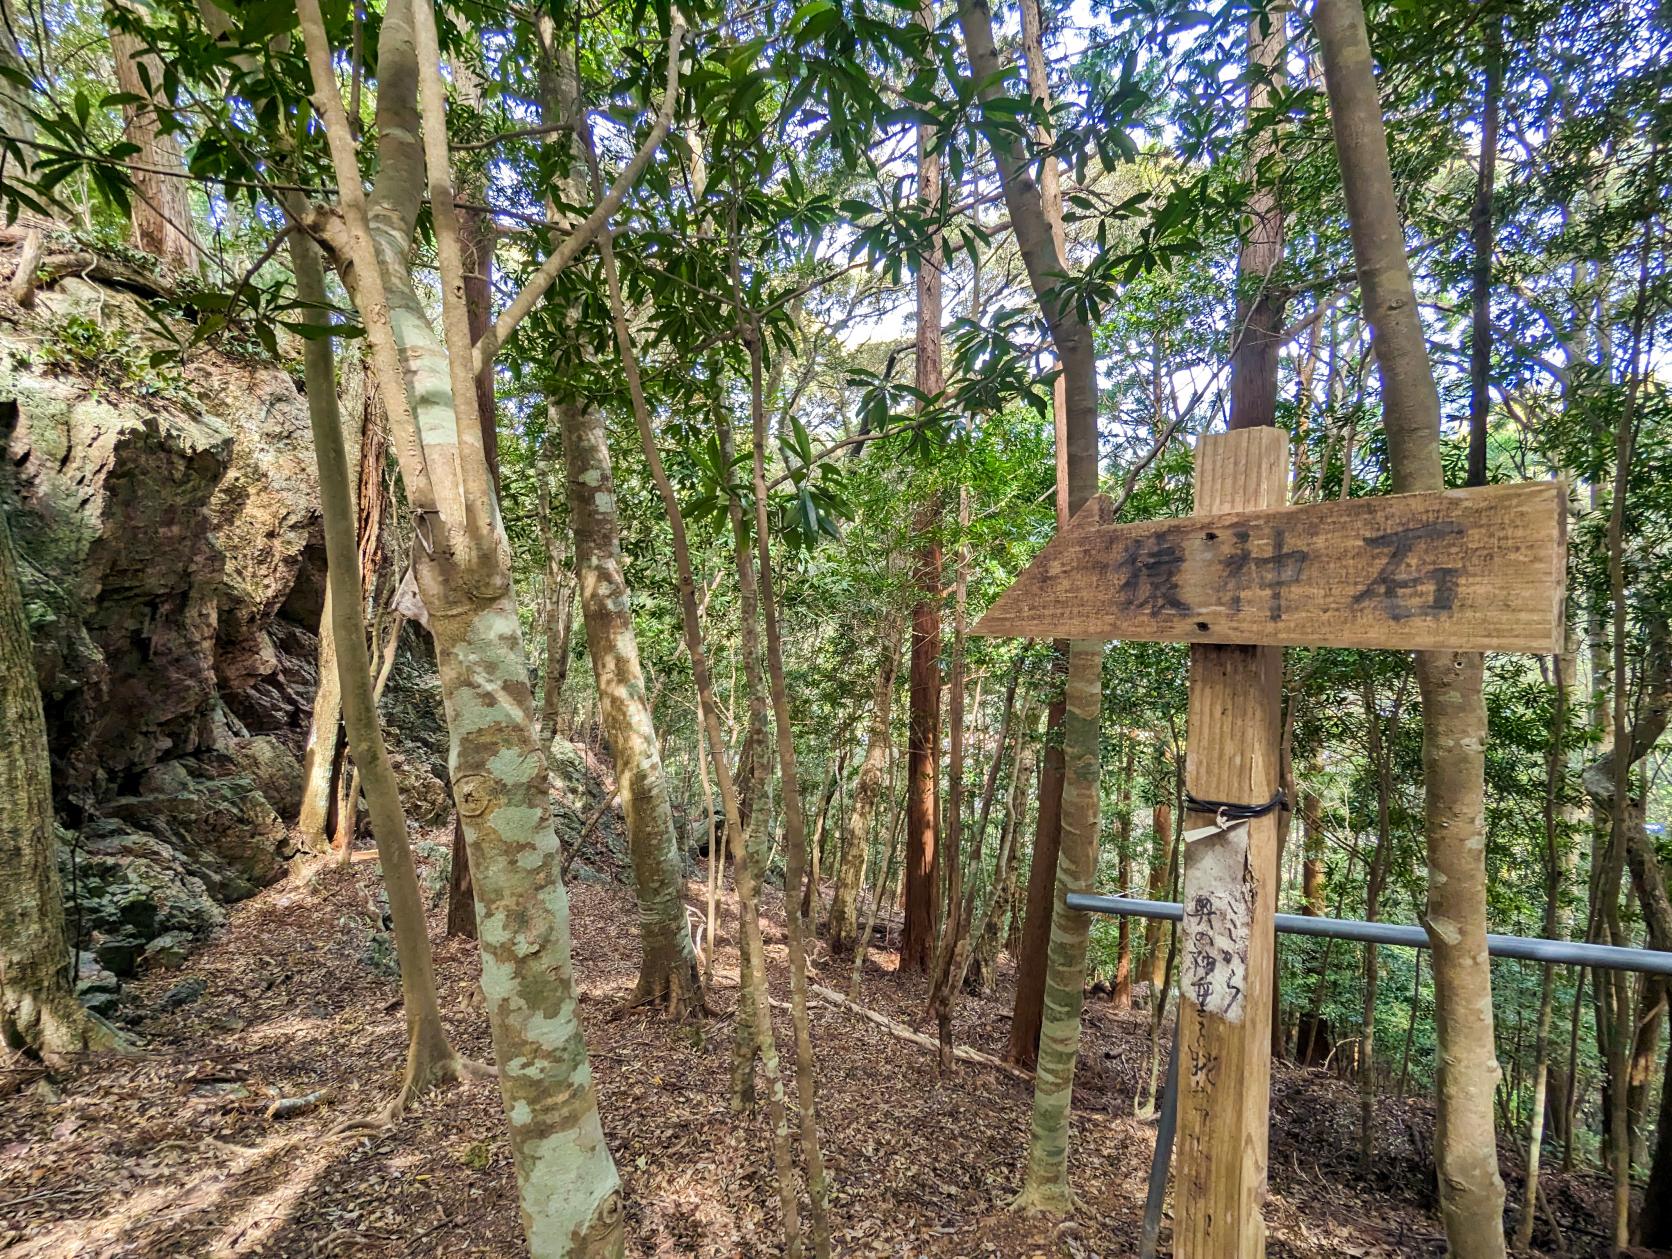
(668, 973)
(38, 1008)
(570, 1193)
(568, 1186)
(1454, 709)
(478, 235)
(850, 877)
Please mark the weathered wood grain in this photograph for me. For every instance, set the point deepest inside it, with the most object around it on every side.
(1225, 974)
(1467, 570)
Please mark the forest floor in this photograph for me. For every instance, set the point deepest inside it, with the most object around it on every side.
(176, 1152)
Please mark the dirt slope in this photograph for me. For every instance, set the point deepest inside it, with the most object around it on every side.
(175, 1153)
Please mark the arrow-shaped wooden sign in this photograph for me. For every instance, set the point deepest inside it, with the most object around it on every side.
(1462, 570)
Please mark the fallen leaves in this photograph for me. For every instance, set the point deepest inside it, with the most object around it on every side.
(212, 1143)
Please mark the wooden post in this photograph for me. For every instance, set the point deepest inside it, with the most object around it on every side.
(1232, 755)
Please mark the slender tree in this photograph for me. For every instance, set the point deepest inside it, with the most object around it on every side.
(1032, 955)
(1453, 706)
(1045, 1186)
(917, 937)
(668, 972)
(430, 1057)
(568, 1182)
(850, 875)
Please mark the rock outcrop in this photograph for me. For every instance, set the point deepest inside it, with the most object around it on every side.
(168, 526)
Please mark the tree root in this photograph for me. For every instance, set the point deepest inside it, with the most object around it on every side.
(380, 1120)
(680, 1000)
(455, 1070)
(1057, 1201)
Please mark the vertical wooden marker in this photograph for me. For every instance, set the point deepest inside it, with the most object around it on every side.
(1227, 942)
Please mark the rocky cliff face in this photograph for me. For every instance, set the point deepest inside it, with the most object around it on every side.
(168, 525)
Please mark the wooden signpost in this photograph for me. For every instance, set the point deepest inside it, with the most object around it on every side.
(1466, 570)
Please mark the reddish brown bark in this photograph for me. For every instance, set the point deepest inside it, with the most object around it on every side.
(917, 936)
(922, 894)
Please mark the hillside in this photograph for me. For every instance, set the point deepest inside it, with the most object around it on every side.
(292, 1006)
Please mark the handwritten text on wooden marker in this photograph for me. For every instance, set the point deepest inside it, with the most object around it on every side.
(1462, 570)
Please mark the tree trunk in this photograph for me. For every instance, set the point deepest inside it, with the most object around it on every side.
(1480, 270)
(1006, 883)
(1654, 1221)
(917, 938)
(557, 607)
(1260, 301)
(1553, 782)
(371, 442)
(17, 122)
(753, 863)
(1045, 1187)
(812, 900)
(879, 894)
(1454, 710)
(1121, 997)
(477, 238)
(1161, 861)
(161, 215)
(795, 821)
(461, 889)
(1035, 208)
(38, 1008)
(850, 878)
(1039, 240)
(668, 973)
(568, 1186)
(429, 1055)
(322, 762)
(1312, 868)
(319, 755)
(1028, 1011)
(1380, 739)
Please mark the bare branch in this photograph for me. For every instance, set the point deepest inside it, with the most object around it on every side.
(584, 234)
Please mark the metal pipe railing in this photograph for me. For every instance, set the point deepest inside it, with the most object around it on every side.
(1527, 948)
